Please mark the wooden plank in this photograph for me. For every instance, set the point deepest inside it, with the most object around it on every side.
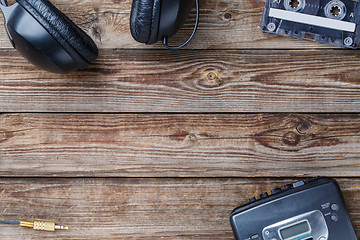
(160, 145)
(188, 81)
(223, 24)
(138, 208)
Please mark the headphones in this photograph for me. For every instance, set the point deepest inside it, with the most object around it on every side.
(46, 37)
(153, 20)
(52, 42)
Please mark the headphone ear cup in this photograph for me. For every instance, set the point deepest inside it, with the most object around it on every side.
(71, 37)
(144, 20)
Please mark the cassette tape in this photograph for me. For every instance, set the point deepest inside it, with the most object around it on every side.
(334, 22)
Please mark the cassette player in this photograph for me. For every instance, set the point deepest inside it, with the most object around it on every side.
(335, 22)
(306, 210)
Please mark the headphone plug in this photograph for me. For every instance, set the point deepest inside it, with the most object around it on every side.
(43, 225)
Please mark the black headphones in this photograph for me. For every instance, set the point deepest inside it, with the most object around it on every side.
(153, 20)
(46, 37)
(51, 41)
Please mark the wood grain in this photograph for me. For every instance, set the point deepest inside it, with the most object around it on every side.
(163, 145)
(202, 112)
(224, 24)
(138, 208)
(189, 81)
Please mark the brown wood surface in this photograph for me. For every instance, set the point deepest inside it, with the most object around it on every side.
(138, 208)
(189, 81)
(236, 103)
(193, 145)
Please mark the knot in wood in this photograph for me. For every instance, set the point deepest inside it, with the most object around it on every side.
(212, 76)
(211, 80)
(227, 15)
(192, 138)
(4, 135)
(302, 128)
(291, 138)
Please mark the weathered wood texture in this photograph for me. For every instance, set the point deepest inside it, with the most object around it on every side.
(189, 81)
(163, 145)
(138, 208)
(245, 72)
(223, 24)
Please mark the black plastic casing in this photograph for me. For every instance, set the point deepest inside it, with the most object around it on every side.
(173, 14)
(36, 44)
(249, 220)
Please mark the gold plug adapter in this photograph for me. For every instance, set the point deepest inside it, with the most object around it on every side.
(43, 225)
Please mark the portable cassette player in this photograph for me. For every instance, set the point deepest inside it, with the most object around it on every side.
(305, 210)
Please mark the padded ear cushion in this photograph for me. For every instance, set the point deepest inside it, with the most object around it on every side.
(144, 20)
(70, 36)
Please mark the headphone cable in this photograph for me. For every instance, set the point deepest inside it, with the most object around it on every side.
(7, 222)
(165, 39)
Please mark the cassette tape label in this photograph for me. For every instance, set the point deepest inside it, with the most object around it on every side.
(334, 22)
(312, 20)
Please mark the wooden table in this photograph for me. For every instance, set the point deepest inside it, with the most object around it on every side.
(156, 144)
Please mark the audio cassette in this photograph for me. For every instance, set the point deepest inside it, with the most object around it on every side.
(335, 22)
(311, 209)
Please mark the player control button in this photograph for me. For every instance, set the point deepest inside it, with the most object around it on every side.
(255, 236)
(298, 184)
(334, 207)
(264, 195)
(334, 217)
(275, 190)
(253, 199)
(288, 186)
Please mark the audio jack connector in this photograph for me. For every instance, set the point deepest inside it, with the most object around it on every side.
(43, 225)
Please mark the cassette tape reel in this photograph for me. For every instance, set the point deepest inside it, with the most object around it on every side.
(335, 22)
